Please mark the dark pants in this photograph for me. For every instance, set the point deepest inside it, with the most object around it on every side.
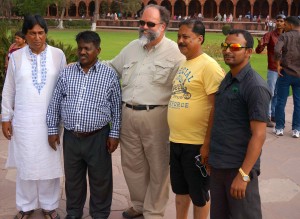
(82, 155)
(223, 206)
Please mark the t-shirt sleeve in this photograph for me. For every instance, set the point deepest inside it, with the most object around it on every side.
(212, 78)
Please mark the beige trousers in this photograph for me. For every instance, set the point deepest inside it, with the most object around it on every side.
(145, 159)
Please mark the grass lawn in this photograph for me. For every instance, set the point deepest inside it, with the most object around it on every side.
(112, 41)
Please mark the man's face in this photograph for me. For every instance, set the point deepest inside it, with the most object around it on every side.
(287, 26)
(237, 56)
(189, 43)
(87, 54)
(36, 39)
(280, 23)
(151, 27)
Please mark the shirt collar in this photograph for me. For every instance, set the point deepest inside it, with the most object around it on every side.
(242, 74)
(93, 68)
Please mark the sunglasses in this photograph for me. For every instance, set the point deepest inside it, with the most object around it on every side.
(149, 23)
(233, 47)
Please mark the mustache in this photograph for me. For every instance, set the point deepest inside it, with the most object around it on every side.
(181, 45)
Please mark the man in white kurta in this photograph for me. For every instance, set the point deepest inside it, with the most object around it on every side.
(30, 80)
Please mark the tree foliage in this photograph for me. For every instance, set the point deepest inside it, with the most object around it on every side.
(26, 7)
(127, 5)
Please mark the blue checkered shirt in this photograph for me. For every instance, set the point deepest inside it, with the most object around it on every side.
(86, 101)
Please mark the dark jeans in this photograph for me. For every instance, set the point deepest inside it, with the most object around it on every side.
(223, 206)
(283, 88)
(84, 155)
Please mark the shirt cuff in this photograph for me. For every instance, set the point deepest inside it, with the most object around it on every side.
(114, 134)
(52, 131)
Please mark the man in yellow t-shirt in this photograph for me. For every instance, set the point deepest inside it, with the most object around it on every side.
(190, 113)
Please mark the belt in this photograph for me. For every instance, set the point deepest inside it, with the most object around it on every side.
(141, 107)
(85, 134)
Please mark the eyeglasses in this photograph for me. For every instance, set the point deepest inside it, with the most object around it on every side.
(149, 23)
(200, 165)
(233, 47)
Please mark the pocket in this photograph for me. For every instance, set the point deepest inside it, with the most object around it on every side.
(127, 72)
(161, 72)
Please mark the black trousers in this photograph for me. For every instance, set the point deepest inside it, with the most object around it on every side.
(223, 206)
(84, 155)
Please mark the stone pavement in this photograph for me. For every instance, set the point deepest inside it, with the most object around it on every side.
(279, 181)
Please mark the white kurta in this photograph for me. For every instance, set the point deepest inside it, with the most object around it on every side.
(26, 107)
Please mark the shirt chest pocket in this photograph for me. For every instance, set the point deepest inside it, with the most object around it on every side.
(161, 72)
(128, 70)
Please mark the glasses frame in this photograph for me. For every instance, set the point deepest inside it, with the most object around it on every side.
(201, 167)
(148, 23)
(236, 48)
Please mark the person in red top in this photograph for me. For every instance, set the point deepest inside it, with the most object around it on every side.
(19, 43)
(269, 40)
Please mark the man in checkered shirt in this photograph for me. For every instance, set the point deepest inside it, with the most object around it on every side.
(87, 99)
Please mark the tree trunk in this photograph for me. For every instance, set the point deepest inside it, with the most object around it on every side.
(61, 20)
(96, 16)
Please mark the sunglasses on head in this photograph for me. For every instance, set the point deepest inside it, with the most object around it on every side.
(233, 47)
(149, 23)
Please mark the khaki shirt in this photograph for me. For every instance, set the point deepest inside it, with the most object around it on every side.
(147, 75)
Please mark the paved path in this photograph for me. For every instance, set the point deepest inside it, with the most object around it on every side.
(279, 181)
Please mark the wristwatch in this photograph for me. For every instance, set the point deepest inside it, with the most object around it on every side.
(246, 178)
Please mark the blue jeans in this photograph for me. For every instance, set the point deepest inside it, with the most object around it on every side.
(283, 86)
(271, 80)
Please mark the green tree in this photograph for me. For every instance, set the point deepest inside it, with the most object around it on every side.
(131, 6)
(26, 7)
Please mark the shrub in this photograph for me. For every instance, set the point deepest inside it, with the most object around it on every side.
(225, 29)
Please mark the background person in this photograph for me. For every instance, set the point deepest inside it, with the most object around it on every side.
(147, 67)
(87, 98)
(19, 43)
(31, 76)
(238, 133)
(270, 39)
(287, 55)
(190, 117)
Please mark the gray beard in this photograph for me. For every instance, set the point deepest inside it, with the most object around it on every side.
(144, 40)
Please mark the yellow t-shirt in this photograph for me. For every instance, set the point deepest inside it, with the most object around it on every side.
(189, 108)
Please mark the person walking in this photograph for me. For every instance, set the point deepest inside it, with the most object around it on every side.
(87, 98)
(238, 133)
(147, 67)
(190, 118)
(31, 76)
(287, 55)
(269, 40)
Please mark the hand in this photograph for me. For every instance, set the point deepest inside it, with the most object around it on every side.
(53, 141)
(238, 187)
(112, 144)
(7, 130)
(279, 68)
(204, 151)
(258, 41)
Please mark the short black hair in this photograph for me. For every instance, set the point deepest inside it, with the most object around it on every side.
(293, 20)
(20, 34)
(164, 13)
(196, 25)
(248, 37)
(31, 20)
(89, 37)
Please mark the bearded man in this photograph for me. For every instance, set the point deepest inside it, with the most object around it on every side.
(147, 67)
